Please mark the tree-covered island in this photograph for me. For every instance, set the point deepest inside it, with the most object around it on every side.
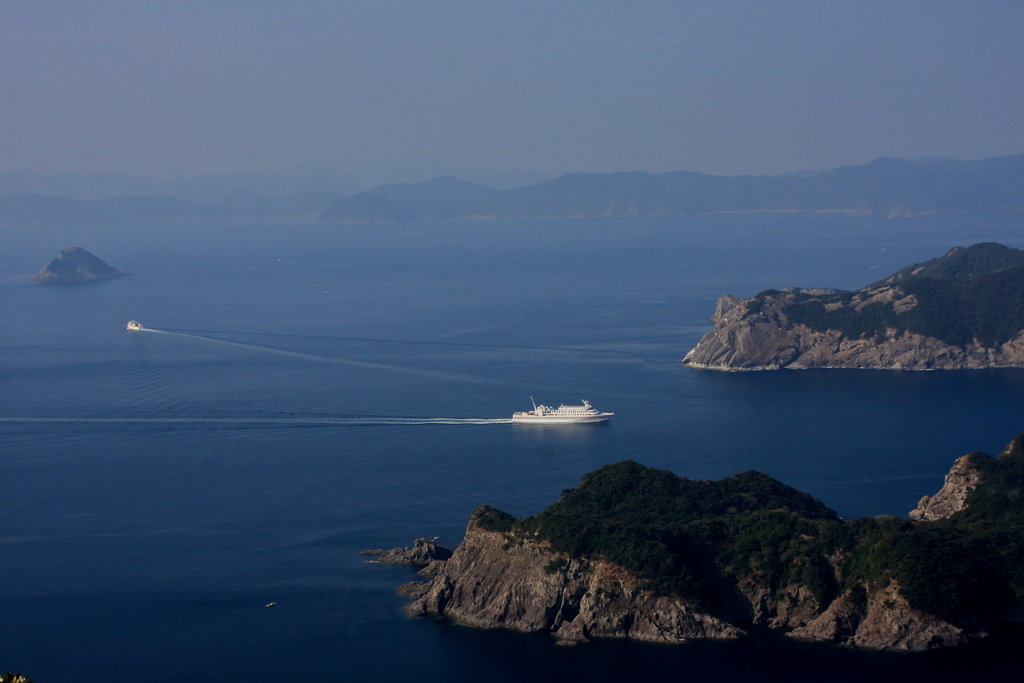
(643, 553)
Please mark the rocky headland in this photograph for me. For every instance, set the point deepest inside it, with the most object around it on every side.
(639, 553)
(422, 553)
(963, 310)
(76, 266)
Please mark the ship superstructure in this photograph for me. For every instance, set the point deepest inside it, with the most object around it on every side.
(563, 414)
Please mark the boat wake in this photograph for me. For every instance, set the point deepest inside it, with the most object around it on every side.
(450, 376)
(267, 421)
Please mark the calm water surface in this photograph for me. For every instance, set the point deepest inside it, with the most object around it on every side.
(307, 391)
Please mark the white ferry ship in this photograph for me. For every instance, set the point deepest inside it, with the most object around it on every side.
(563, 414)
(134, 325)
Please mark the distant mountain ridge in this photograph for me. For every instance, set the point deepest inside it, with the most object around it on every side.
(889, 187)
(884, 186)
(344, 179)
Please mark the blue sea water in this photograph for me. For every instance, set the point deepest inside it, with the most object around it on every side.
(307, 391)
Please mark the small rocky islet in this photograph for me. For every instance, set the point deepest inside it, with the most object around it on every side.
(635, 552)
(76, 266)
(422, 553)
(962, 310)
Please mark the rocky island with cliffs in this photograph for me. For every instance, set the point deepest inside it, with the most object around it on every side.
(963, 310)
(640, 553)
(76, 266)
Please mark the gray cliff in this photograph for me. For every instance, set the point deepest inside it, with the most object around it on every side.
(422, 553)
(885, 622)
(769, 340)
(712, 559)
(961, 481)
(494, 580)
(959, 311)
(520, 584)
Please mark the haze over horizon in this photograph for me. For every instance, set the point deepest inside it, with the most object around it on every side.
(735, 88)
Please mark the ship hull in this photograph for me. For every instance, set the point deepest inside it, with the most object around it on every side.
(557, 420)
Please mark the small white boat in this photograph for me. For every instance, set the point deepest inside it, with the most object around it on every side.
(270, 604)
(563, 414)
(134, 325)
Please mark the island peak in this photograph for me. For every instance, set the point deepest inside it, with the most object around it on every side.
(76, 266)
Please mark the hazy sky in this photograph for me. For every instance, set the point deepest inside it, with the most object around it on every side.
(162, 87)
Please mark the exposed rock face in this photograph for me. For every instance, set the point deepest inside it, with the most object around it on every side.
(952, 497)
(791, 607)
(767, 340)
(836, 624)
(892, 624)
(726, 303)
(414, 589)
(1014, 449)
(76, 266)
(878, 583)
(520, 584)
(957, 311)
(497, 581)
(424, 552)
(886, 622)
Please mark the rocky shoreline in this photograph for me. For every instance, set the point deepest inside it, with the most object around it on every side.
(504, 576)
(959, 311)
(422, 553)
(487, 584)
(768, 340)
(519, 584)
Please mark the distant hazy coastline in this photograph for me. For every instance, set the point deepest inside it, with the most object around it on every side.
(886, 187)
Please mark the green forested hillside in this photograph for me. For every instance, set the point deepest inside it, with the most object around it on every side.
(969, 294)
(702, 539)
(959, 263)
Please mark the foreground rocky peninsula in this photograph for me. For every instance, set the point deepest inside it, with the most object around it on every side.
(76, 266)
(959, 311)
(635, 552)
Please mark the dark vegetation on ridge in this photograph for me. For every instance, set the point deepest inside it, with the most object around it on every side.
(700, 540)
(969, 294)
(959, 264)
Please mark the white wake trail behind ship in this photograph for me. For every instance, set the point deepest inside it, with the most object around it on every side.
(131, 417)
(449, 376)
(268, 421)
